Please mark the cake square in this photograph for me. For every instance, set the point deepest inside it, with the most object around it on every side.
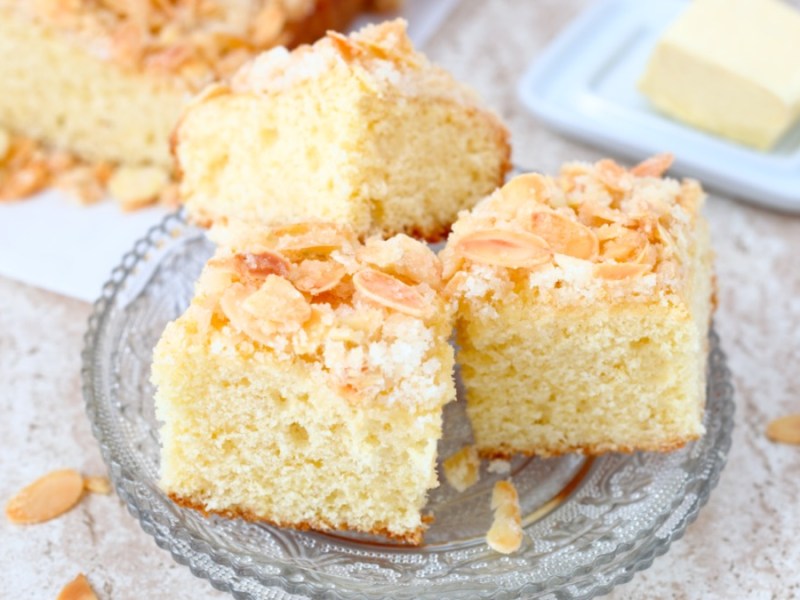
(362, 130)
(583, 305)
(106, 81)
(304, 385)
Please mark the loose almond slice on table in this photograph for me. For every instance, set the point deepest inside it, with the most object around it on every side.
(97, 485)
(503, 248)
(390, 292)
(46, 498)
(77, 589)
(462, 469)
(785, 430)
(505, 534)
(564, 235)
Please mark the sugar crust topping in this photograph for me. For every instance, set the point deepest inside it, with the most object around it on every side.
(197, 40)
(381, 56)
(594, 231)
(370, 313)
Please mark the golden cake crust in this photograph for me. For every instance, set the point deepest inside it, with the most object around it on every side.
(503, 453)
(411, 538)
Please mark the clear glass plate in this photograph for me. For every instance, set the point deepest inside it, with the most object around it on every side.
(590, 524)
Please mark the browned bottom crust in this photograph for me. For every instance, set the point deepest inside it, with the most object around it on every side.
(411, 538)
(506, 452)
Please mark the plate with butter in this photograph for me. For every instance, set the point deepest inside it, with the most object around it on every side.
(716, 82)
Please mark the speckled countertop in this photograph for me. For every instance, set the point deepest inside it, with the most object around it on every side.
(746, 541)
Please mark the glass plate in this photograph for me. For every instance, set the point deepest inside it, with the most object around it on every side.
(590, 524)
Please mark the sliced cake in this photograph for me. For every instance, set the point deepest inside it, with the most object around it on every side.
(361, 130)
(584, 303)
(304, 385)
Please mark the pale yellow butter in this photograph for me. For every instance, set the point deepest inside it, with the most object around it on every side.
(731, 67)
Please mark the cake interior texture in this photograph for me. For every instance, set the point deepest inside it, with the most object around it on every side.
(319, 408)
(596, 344)
(359, 130)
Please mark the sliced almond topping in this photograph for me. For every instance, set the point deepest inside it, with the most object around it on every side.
(405, 257)
(46, 498)
(564, 235)
(505, 534)
(503, 248)
(655, 166)
(390, 292)
(317, 276)
(97, 485)
(629, 245)
(785, 430)
(134, 187)
(320, 238)
(265, 263)
(278, 302)
(77, 589)
(613, 176)
(529, 187)
(462, 469)
(613, 271)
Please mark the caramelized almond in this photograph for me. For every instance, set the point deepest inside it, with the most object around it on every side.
(390, 292)
(505, 534)
(530, 187)
(503, 248)
(317, 276)
(785, 430)
(97, 485)
(405, 257)
(655, 166)
(46, 498)
(564, 235)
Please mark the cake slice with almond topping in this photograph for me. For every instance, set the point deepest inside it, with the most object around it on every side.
(304, 385)
(583, 308)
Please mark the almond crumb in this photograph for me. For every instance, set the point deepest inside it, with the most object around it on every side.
(462, 469)
(77, 589)
(505, 534)
(46, 498)
(97, 484)
(785, 430)
(499, 467)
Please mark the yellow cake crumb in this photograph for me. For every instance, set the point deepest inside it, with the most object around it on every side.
(463, 469)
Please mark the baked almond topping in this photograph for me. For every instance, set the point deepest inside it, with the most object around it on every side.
(77, 589)
(97, 485)
(628, 245)
(317, 276)
(263, 263)
(524, 188)
(462, 469)
(785, 430)
(46, 498)
(614, 176)
(389, 291)
(404, 257)
(311, 238)
(564, 235)
(505, 534)
(655, 166)
(504, 248)
(615, 271)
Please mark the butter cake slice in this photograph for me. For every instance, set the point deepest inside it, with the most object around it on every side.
(304, 385)
(584, 304)
(106, 81)
(362, 130)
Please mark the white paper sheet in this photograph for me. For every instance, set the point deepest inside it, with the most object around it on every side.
(49, 242)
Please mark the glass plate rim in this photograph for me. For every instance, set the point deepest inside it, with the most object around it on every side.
(188, 549)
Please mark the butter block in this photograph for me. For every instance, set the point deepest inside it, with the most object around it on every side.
(731, 67)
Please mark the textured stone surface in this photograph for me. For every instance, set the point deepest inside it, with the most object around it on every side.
(743, 545)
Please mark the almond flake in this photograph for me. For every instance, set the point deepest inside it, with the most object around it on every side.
(97, 485)
(390, 292)
(614, 271)
(654, 166)
(564, 235)
(504, 248)
(526, 188)
(46, 498)
(278, 304)
(317, 276)
(135, 187)
(629, 245)
(77, 589)
(613, 176)
(462, 469)
(505, 534)
(316, 238)
(785, 430)
(405, 257)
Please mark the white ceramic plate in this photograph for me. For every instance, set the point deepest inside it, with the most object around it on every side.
(584, 84)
